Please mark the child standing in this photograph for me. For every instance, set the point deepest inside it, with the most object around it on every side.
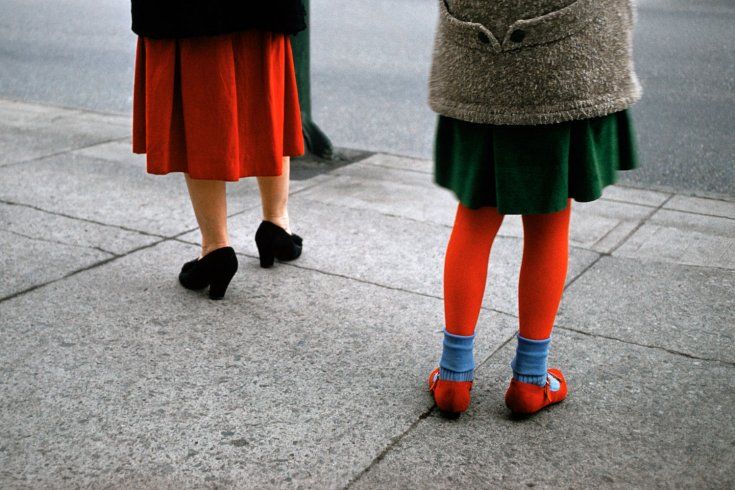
(533, 102)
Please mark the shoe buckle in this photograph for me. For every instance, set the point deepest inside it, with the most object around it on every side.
(434, 381)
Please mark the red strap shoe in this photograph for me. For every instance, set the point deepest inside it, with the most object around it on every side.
(452, 397)
(527, 398)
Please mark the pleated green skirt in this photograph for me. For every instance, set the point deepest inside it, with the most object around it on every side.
(532, 169)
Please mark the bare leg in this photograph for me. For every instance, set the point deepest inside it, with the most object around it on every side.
(209, 200)
(274, 196)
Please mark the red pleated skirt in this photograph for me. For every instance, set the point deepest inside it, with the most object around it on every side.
(218, 108)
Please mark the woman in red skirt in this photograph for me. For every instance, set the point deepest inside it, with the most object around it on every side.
(215, 98)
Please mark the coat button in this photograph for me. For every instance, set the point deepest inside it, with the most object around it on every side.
(483, 38)
(518, 35)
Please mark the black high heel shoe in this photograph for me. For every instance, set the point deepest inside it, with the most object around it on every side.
(216, 270)
(276, 243)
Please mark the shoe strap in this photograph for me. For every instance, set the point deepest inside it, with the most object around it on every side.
(547, 387)
(434, 381)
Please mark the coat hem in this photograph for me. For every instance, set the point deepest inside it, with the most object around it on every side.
(477, 113)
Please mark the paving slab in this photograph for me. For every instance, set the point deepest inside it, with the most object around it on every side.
(39, 225)
(28, 261)
(108, 192)
(124, 379)
(29, 131)
(635, 418)
(616, 210)
(684, 238)
(630, 195)
(682, 308)
(401, 163)
(714, 207)
(39, 247)
(118, 193)
(425, 203)
(685, 221)
(666, 244)
(387, 250)
(120, 151)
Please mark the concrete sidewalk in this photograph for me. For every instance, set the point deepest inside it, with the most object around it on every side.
(312, 374)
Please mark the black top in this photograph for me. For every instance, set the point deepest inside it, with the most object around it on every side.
(191, 18)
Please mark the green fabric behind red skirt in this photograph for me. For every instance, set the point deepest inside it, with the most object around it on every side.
(532, 169)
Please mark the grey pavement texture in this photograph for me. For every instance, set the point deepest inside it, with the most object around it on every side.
(370, 66)
(313, 374)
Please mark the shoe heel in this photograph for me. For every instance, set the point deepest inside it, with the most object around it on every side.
(218, 287)
(267, 261)
(276, 243)
(267, 257)
(222, 275)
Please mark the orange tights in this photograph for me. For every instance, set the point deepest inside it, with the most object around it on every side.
(543, 270)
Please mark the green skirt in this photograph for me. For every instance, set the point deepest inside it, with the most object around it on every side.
(532, 169)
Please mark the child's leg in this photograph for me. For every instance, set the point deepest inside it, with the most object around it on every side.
(543, 271)
(465, 267)
(543, 275)
(465, 274)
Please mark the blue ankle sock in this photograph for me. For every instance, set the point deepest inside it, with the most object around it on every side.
(529, 364)
(458, 360)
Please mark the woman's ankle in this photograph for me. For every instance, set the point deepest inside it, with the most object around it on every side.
(211, 247)
(281, 221)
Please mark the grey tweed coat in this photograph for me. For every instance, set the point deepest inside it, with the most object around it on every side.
(520, 62)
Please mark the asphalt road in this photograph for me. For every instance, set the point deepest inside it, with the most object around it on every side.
(370, 65)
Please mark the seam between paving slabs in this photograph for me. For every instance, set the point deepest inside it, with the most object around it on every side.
(657, 261)
(698, 213)
(584, 271)
(648, 346)
(65, 151)
(395, 441)
(398, 168)
(57, 242)
(119, 227)
(79, 110)
(330, 176)
(389, 447)
(79, 271)
(639, 226)
(609, 232)
(84, 220)
(102, 262)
